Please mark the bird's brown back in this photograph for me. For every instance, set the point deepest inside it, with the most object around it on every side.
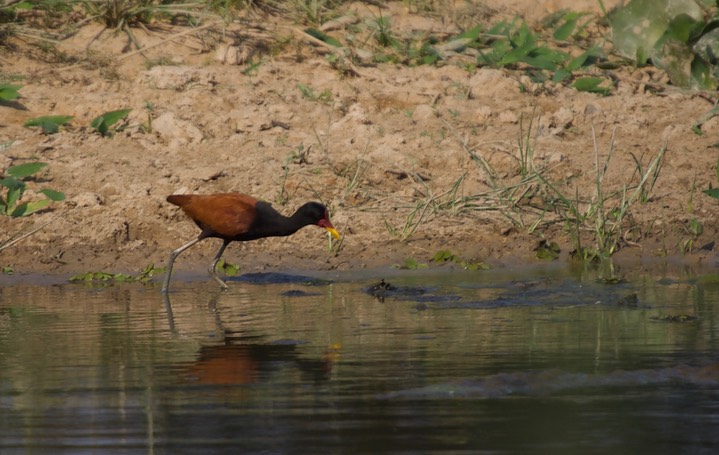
(224, 215)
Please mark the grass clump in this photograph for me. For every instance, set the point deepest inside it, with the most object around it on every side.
(607, 213)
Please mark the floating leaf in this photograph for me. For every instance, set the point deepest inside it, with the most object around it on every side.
(25, 170)
(547, 250)
(227, 268)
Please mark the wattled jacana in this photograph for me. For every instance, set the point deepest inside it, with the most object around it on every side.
(235, 217)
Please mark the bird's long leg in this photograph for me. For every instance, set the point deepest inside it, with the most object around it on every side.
(212, 270)
(171, 261)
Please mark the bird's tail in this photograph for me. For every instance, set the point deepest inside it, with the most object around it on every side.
(179, 199)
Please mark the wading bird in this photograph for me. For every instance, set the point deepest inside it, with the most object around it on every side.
(235, 217)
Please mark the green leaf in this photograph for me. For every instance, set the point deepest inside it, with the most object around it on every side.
(707, 46)
(701, 75)
(12, 183)
(25, 170)
(104, 122)
(471, 34)
(589, 55)
(681, 28)
(641, 24)
(323, 37)
(53, 195)
(591, 84)
(13, 194)
(28, 208)
(9, 92)
(100, 126)
(50, 124)
(565, 31)
(713, 192)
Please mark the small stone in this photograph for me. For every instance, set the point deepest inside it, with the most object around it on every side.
(508, 117)
(88, 199)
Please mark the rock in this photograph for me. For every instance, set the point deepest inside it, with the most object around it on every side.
(508, 117)
(88, 199)
(233, 55)
(179, 78)
(176, 131)
(482, 113)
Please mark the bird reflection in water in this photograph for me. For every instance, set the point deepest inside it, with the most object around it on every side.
(242, 360)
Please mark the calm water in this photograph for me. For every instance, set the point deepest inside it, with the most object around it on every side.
(548, 361)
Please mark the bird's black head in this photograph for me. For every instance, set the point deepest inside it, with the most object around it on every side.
(313, 212)
(316, 213)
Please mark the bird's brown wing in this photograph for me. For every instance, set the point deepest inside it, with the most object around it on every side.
(225, 215)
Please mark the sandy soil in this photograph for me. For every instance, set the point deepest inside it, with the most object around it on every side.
(373, 147)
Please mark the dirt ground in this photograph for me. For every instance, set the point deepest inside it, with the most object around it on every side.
(374, 147)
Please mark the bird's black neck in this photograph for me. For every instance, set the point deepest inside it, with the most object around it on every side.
(271, 223)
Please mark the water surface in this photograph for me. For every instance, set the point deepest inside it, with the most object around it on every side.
(541, 361)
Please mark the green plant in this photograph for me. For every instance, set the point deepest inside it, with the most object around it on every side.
(713, 192)
(150, 109)
(15, 185)
(646, 190)
(311, 11)
(503, 196)
(125, 14)
(414, 219)
(382, 31)
(103, 123)
(525, 146)
(605, 214)
(679, 36)
(49, 124)
(252, 66)
(7, 270)
(309, 93)
(9, 92)
(694, 229)
(297, 156)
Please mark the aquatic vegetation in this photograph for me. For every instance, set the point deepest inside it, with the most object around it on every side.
(145, 276)
(227, 268)
(547, 250)
(446, 256)
(411, 264)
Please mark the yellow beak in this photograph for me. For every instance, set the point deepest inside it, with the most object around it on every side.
(334, 232)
